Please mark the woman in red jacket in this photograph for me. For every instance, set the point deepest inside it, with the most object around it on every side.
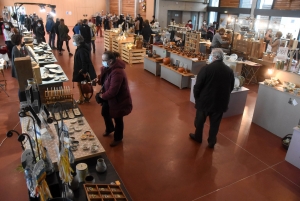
(116, 96)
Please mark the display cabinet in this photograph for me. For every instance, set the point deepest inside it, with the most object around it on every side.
(151, 65)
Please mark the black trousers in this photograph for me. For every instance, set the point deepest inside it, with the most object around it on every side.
(118, 127)
(93, 45)
(57, 41)
(61, 44)
(9, 47)
(215, 120)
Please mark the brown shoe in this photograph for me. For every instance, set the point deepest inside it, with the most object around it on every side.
(115, 143)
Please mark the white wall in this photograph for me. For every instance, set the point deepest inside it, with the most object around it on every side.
(162, 8)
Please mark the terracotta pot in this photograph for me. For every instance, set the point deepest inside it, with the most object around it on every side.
(166, 60)
(180, 70)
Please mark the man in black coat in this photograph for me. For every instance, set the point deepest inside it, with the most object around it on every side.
(55, 27)
(141, 22)
(212, 90)
(86, 33)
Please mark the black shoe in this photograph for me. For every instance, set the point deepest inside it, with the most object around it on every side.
(107, 133)
(193, 137)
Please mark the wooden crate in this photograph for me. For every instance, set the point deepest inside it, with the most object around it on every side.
(133, 56)
(108, 38)
(117, 45)
(258, 47)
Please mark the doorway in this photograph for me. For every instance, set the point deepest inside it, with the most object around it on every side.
(176, 15)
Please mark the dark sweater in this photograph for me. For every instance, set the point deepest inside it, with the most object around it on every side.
(213, 86)
(85, 31)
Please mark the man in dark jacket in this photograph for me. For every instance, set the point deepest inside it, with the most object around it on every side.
(56, 32)
(212, 91)
(27, 23)
(116, 95)
(86, 33)
(99, 24)
(51, 31)
(141, 22)
(40, 32)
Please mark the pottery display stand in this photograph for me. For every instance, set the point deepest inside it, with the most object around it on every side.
(182, 80)
(237, 100)
(133, 56)
(152, 65)
(192, 41)
(194, 65)
(162, 52)
(272, 101)
(293, 153)
(108, 38)
(104, 192)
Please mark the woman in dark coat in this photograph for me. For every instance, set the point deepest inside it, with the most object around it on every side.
(82, 65)
(116, 96)
(40, 32)
(146, 31)
(63, 31)
(19, 50)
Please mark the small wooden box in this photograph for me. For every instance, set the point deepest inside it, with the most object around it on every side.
(134, 55)
(104, 192)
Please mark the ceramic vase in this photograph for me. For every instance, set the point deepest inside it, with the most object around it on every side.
(101, 166)
(75, 182)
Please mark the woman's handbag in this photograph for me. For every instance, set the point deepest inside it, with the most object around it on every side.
(87, 88)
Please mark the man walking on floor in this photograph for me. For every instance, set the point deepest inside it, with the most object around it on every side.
(212, 90)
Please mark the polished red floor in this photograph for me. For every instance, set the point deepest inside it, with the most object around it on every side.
(157, 161)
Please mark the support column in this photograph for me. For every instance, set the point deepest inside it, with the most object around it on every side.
(253, 7)
(120, 7)
(136, 8)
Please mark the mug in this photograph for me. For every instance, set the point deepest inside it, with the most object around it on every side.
(89, 179)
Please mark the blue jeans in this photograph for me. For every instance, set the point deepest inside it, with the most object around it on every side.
(51, 39)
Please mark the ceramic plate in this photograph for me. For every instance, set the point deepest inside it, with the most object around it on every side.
(63, 78)
(52, 70)
(59, 72)
(51, 66)
(56, 78)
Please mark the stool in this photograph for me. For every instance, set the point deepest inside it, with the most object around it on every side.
(249, 72)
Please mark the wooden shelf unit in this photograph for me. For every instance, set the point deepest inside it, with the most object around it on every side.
(117, 45)
(133, 56)
(192, 41)
(108, 38)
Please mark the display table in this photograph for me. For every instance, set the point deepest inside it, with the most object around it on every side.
(249, 71)
(51, 83)
(118, 45)
(162, 52)
(179, 79)
(273, 111)
(293, 153)
(133, 56)
(192, 64)
(50, 140)
(108, 37)
(236, 104)
(151, 65)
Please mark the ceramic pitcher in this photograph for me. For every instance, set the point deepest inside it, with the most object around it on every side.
(101, 166)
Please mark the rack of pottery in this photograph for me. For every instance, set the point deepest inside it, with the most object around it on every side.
(185, 53)
(192, 41)
(104, 192)
(62, 94)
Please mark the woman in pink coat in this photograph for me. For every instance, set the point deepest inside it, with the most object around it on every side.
(116, 96)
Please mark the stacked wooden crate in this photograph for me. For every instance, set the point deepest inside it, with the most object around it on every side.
(192, 41)
(133, 56)
(108, 38)
(117, 45)
(258, 48)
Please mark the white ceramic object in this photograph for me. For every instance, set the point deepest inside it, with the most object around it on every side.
(233, 57)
